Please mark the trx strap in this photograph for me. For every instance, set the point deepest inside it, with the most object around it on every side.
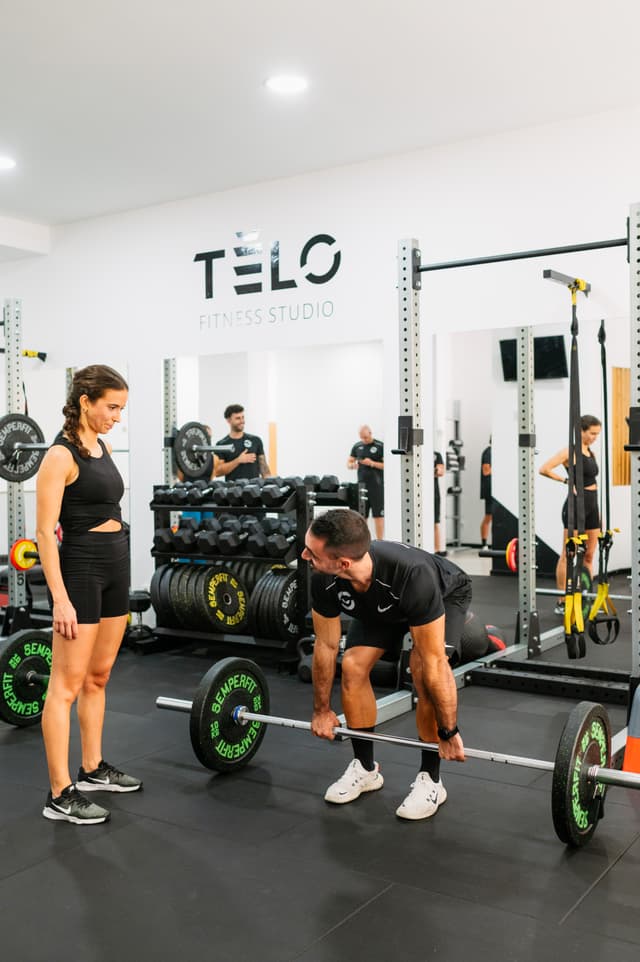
(575, 543)
(603, 616)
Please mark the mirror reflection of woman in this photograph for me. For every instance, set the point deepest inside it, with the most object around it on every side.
(590, 428)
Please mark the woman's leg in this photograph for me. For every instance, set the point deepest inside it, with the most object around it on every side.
(68, 670)
(91, 699)
(590, 549)
(561, 567)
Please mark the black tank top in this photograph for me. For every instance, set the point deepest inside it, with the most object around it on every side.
(94, 497)
(589, 469)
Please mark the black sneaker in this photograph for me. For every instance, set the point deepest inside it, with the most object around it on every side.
(72, 806)
(106, 778)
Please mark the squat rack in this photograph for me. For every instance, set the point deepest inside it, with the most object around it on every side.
(410, 270)
(17, 613)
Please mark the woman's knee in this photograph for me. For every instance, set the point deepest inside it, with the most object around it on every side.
(95, 680)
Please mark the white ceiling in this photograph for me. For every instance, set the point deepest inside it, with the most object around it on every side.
(117, 105)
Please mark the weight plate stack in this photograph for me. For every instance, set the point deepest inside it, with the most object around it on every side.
(222, 600)
(160, 598)
(183, 597)
(273, 605)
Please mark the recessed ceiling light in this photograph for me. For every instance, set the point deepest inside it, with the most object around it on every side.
(287, 84)
(7, 163)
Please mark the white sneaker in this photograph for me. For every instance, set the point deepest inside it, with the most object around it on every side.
(353, 783)
(424, 799)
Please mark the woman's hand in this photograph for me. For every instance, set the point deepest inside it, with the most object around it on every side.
(65, 620)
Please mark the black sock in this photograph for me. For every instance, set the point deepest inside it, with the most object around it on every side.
(431, 764)
(363, 750)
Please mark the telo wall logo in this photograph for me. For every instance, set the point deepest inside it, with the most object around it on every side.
(318, 264)
(326, 264)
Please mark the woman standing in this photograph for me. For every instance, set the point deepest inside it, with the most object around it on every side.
(590, 430)
(79, 485)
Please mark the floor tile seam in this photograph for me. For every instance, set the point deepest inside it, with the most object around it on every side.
(334, 928)
(249, 847)
(599, 879)
(56, 855)
(475, 903)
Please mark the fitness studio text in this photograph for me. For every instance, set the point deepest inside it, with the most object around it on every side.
(278, 314)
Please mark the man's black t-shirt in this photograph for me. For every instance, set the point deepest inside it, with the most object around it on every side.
(375, 451)
(485, 480)
(248, 442)
(408, 586)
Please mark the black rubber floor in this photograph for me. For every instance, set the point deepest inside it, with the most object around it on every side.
(255, 865)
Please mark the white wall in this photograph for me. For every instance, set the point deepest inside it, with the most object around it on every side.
(128, 283)
(295, 388)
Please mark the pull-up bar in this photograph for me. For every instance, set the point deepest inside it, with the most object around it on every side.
(523, 255)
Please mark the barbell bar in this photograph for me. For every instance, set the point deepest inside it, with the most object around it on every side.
(585, 594)
(22, 447)
(230, 712)
(242, 716)
(606, 776)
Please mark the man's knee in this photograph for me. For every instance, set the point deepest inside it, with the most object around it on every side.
(355, 668)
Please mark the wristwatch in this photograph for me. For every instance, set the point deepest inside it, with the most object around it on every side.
(444, 734)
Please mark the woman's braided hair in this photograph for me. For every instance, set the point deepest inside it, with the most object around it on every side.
(94, 381)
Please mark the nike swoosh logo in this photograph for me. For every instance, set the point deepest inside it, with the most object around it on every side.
(61, 809)
(101, 781)
(384, 609)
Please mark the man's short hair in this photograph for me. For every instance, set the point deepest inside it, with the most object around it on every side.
(345, 533)
(232, 409)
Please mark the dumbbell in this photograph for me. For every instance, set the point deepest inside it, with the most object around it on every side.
(163, 539)
(328, 482)
(269, 546)
(207, 535)
(235, 491)
(162, 495)
(271, 525)
(229, 493)
(197, 491)
(178, 494)
(273, 495)
(251, 494)
(278, 545)
(232, 536)
(205, 493)
(184, 539)
(311, 481)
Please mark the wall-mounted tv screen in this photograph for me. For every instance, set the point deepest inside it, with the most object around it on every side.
(549, 358)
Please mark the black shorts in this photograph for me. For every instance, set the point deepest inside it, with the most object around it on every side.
(488, 506)
(436, 505)
(591, 512)
(390, 636)
(375, 501)
(95, 571)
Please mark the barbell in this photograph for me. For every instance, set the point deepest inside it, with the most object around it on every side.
(230, 712)
(508, 554)
(22, 448)
(25, 665)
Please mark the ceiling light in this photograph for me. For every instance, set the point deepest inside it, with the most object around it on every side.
(6, 163)
(287, 84)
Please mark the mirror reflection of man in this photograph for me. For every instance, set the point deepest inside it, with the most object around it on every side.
(485, 494)
(367, 455)
(247, 460)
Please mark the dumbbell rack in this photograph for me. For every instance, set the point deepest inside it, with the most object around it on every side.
(301, 503)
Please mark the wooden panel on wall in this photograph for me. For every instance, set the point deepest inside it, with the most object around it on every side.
(272, 454)
(620, 402)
